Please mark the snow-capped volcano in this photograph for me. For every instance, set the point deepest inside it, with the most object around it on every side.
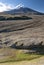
(21, 9)
(19, 6)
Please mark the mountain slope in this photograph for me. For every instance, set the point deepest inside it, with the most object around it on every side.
(23, 10)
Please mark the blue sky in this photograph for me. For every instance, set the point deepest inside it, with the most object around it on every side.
(11, 4)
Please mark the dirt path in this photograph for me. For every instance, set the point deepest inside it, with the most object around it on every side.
(39, 61)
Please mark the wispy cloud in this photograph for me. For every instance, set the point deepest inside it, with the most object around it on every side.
(5, 7)
(19, 5)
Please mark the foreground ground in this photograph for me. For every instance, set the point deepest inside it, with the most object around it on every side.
(12, 55)
(24, 32)
(38, 61)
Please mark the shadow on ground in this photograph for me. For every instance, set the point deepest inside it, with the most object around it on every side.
(39, 49)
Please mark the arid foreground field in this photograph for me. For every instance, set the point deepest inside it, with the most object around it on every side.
(19, 38)
(39, 61)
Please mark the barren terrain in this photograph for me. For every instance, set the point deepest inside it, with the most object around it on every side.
(22, 33)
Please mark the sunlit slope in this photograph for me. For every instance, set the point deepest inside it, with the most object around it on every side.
(22, 31)
(16, 25)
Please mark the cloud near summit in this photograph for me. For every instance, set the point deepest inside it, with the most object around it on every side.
(6, 7)
(19, 5)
